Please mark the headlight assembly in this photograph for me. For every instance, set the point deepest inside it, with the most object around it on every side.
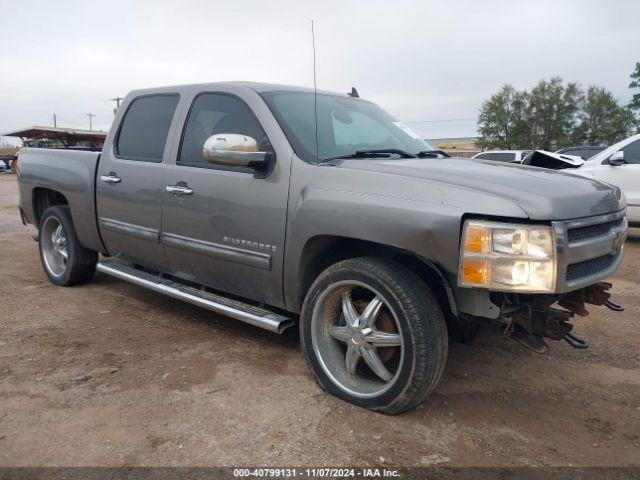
(507, 257)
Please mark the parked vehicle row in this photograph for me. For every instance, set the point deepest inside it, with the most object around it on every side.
(275, 205)
(511, 156)
(602, 163)
(518, 156)
(582, 152)
(617, 165)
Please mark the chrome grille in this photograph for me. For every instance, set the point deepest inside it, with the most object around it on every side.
(583, 233)
(589, 267)
(588, 249)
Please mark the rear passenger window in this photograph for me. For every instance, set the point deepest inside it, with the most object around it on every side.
(213, 113)
(504, 156)
(145, 127)
(484, 156)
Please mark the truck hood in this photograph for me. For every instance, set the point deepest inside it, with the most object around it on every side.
(540, 193)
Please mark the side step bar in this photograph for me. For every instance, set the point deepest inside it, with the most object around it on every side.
(257, 316)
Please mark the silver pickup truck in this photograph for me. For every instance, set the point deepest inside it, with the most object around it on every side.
(279, 205)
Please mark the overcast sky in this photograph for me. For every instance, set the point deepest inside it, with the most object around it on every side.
(428, 63)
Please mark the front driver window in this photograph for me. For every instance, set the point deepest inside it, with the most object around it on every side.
(214, 113)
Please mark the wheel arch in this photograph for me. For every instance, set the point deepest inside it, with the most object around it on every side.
(84, 220)
(43, 198)
(322, 251)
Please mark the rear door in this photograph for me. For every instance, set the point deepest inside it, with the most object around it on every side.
(222, 226)
(625, 176)
(130, 181)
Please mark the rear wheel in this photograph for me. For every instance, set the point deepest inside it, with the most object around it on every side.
(65, 261)
(373, 334)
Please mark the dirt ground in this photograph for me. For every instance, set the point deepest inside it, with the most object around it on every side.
(109, 374)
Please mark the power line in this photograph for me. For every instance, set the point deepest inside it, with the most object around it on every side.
(441, 104)
(68, 122)
(443, 120)
(90, 115)
(117, 100)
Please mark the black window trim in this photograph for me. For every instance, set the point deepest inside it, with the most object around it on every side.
(212, 166)
(116, 141)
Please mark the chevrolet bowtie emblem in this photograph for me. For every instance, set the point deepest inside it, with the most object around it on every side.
(618, 242)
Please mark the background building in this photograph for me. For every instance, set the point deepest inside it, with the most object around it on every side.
(54, 137)
(457, 146)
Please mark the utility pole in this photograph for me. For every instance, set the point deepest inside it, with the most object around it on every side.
(55, 122)
(117, 100)
(90, 115)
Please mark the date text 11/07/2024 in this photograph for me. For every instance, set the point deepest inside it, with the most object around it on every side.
(316, 472)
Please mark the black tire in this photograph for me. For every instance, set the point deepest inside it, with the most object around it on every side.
(80, 265)
(422, 329)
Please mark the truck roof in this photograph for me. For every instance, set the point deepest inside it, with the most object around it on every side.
(258, 87)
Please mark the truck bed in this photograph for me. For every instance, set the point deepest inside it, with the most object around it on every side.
(72, 174)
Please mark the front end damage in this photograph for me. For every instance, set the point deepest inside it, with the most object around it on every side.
(587, 251)
(552, 161)
(530, 319)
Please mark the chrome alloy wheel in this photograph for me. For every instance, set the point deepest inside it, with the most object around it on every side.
(357, 339)
(54, 246)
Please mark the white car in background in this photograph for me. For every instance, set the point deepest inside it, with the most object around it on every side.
(511, 156)
(618, 165)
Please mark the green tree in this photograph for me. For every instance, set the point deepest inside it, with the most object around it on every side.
(635, 84)
(602, 119)
(502, 122)
(553, 113)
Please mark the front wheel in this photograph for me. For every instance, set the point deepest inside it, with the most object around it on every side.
(374, 334)
(65, 261)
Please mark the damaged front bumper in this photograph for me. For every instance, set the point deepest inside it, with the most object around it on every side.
(588, 251)
(530, 321)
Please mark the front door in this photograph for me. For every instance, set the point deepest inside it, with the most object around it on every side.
(130, 181)
(627, 177)
(222, 226)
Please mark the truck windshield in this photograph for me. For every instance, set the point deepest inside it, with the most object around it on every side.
(345, 126)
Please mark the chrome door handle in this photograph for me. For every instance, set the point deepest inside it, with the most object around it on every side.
(110, 179)
(179, 189)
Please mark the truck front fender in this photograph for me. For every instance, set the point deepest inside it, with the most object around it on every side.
(427, 230)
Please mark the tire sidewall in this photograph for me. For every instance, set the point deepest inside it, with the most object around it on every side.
(62, 215)
(402, 383)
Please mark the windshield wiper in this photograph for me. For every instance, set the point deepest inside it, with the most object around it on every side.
(432, 154)
(378, 153)
(392, 151)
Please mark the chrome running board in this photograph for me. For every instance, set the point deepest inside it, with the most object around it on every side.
(274, 322)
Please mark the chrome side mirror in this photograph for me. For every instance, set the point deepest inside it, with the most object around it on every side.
(234, 150)
(617, 159)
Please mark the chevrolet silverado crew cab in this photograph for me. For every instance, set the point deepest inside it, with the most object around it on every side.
(278, 205)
